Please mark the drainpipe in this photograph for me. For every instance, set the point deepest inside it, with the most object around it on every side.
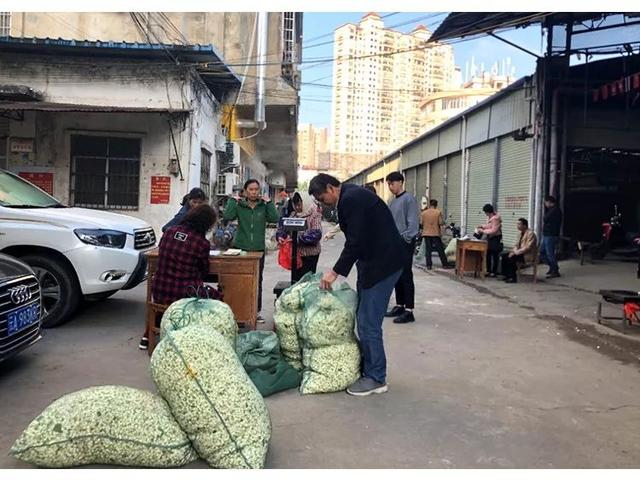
(259, 123)
(465, 179)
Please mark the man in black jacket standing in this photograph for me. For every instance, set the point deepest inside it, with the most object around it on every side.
(550, 234)
(375, 246)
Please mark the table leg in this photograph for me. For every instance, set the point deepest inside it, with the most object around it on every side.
(463, 264)
(599, 313)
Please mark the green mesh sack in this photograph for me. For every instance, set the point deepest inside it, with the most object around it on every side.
(328, 316)
(211, 396)
(330, 368)
(291, 298)
(207, 312)
(285, 323)
(115, 425)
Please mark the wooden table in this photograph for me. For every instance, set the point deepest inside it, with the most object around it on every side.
(238, 277)
(471, 255)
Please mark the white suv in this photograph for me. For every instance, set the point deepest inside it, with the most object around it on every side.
(75, 253)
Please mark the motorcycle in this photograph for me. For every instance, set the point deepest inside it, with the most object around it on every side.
(615, 240)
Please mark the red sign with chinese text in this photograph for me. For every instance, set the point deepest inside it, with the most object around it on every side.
(44, 180)
(160, 189)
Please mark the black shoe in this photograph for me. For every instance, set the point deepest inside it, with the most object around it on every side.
(511, 280)
(404, 318)
(447, 266)
(492, 274)
(429, 268)
(553, 275)
(144, 344)
(396, 311)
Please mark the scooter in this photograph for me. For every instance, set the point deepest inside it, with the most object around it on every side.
(455, 230)
(615, 240)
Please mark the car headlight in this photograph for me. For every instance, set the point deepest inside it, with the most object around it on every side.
(102, 237)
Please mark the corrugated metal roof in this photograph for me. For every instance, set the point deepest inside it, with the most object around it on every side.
(465, 24)
(57, 107)
(205, 58)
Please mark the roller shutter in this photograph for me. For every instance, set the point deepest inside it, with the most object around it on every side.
(514, 178)
(410, 181)
(454, 189)
(421, 189)
(481, 182)
(436, 189)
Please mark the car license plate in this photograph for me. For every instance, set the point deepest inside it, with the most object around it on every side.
(23, 317)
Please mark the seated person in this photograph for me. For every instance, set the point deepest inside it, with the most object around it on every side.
(183, 261)
(524, 252)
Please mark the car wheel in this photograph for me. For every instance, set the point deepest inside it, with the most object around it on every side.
(59, 289)
(100, 296)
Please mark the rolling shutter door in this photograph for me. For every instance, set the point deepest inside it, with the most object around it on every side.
(454, 189)
(4, 139)
(514, 186)
(436, 189)
(421, 190)
(481, 182)
(410, 181)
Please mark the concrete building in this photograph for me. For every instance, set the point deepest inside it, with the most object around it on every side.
(379, 79)
(441, 106)
(263, 49)
(113, 126)
(312, 147)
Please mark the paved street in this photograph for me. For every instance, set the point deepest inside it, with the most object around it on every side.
(478, 381)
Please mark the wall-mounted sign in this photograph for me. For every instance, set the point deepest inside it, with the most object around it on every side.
(44, 180)
(160, 189)
(21, 146)
(617, 87)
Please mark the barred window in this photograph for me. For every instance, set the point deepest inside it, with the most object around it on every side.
(5, 24)
(105, 172)
(205, 172)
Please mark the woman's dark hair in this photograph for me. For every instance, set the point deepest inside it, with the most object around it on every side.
(201, 219)
(249, 182)
(296, 199)
(195, 193)
(319, 183)
(488, 209)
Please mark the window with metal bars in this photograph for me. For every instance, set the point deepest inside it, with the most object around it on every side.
(5, 24)
(205, 172)
(291, 29)
(105, 172)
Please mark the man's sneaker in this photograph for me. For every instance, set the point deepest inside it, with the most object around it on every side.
(144, 343)
(404, 318)
(260, 319)
(553, 275)
(365, 386)
(396, 311)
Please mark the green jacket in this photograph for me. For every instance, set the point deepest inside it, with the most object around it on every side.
(252, 223)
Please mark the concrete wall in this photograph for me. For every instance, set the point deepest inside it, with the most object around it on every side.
(118, 85)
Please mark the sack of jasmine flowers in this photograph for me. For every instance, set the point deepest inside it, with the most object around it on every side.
(198, 373)
(114, 425)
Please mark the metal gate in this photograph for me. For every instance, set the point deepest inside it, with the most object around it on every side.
(436, 189)
(421, 182)
(481, 182)
(410, 181)
(454, 189)
(514, 193)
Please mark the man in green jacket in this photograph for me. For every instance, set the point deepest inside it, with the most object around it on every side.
(252, 213)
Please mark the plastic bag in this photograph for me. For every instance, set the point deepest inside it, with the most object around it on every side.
(284, 255)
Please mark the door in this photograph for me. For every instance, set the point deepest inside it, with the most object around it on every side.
(481, 182)
(454, 190)
(514, 196)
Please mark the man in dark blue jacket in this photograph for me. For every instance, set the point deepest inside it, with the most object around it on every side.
(375, 246)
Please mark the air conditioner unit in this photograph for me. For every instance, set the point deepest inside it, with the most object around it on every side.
(226, 182)
(230, 156)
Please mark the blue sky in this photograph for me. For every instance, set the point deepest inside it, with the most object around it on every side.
(315, 104)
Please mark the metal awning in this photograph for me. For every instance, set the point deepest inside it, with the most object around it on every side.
(466, 24)
(58, 107)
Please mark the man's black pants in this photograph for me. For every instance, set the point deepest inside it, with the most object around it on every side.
(405, 289)
(431, 243)
(509, 265)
